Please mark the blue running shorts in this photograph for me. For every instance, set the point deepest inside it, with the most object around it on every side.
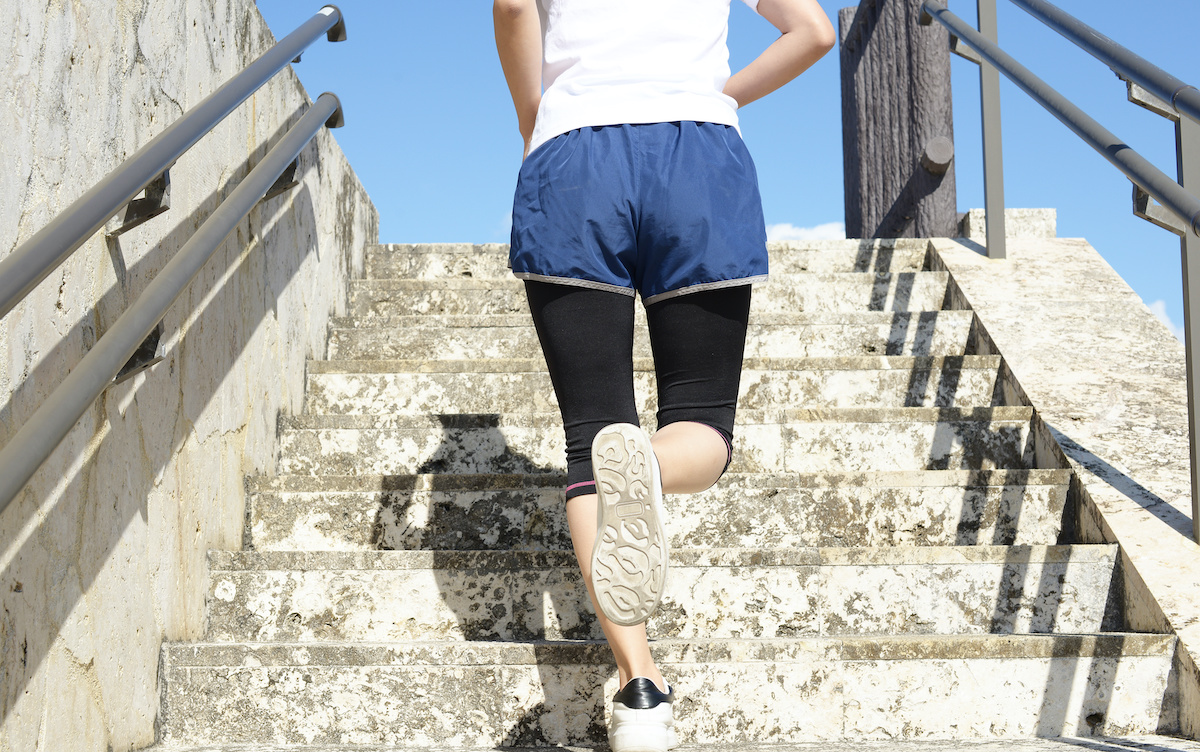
(663, 209)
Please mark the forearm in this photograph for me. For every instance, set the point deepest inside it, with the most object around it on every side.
(519, 43)
(807, 36)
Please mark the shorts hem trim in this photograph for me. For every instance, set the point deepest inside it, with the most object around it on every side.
(573, 282)
(719, 285)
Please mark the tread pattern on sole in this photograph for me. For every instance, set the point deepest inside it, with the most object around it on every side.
(629, 559)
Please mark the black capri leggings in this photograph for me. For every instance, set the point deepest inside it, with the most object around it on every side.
(698, 341)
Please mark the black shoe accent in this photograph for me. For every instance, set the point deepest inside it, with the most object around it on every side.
(641, 694)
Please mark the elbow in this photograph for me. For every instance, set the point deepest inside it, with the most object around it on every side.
(824, 37)
(510, 8)
(805, 19)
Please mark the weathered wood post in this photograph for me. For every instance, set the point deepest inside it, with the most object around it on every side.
(897, 122)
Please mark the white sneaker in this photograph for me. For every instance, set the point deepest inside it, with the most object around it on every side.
(629, 558)
(641, 718)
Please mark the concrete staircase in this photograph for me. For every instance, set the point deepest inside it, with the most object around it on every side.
(886, 560)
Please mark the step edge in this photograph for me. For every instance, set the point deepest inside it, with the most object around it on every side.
(719, 558)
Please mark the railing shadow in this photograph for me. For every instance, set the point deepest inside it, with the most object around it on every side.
(1044, 450)
(1126, 486)
(881, 291)
(1119, 745)
(122, 428)
(1027, 601)
(878, 256)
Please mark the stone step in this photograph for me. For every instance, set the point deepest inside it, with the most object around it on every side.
(487, 694)
(464, 260)
(795, 293)
(381, 596)
(1151, 743)
(381, 387)
(794, 441)
(931, 333)
(525, 512)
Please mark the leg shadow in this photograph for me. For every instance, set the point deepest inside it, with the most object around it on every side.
(494, 518)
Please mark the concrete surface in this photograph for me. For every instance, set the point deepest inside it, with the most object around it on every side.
(522, 512)
(472, 694)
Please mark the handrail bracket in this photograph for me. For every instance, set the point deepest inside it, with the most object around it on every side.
(156, 200)
(1147, 208)
(284, 183)
(1143, 97)
(957, 47)
(148, 354)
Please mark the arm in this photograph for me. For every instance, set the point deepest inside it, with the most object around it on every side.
(519, 42)
(807, 35)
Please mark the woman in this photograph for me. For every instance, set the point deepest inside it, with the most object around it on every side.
(636, 181)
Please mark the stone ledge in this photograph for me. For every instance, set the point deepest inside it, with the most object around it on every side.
(1063, 744)
(538, 365)
(904, 416)
(1108, 379)
(1018, 223)
(596, 652)
(852, 244)
(730, 481)
(309, 561)
(439, 322)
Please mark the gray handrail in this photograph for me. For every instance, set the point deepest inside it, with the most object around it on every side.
(1152, 180)
(1126, 64)
(37, 257)
(48, 426)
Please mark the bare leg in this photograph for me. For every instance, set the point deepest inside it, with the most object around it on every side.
(629, 645)
(691, 457)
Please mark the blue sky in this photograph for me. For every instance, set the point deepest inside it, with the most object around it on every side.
(431, 133)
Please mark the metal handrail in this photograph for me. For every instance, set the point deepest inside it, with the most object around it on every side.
(1153, 180)
(1184, 98)
(37, 257)
(44, 431)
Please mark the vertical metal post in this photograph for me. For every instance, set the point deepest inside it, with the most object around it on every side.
(993, 152)
(1187, 140)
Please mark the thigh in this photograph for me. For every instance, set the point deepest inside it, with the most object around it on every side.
(587, 339)
(699, 340)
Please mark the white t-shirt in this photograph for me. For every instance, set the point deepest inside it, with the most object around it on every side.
(608, 62)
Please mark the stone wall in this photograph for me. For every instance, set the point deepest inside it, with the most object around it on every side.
(104, 555)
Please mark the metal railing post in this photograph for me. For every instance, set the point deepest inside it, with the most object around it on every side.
(993, 150)
(1187, 141)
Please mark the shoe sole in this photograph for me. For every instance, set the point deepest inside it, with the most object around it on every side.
(629, 559)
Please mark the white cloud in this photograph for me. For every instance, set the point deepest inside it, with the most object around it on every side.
(503, 229)
(788, 231)
(1159, 309)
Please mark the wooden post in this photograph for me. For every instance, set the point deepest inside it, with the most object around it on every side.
(897, 123)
